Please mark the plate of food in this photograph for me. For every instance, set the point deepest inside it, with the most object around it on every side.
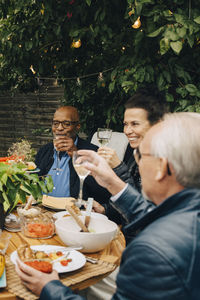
(37, 170)
(48, 257)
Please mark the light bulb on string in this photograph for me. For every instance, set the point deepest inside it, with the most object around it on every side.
(76, 44)
(31, 68)
(137, 23)
(78, 82)
(100, 77)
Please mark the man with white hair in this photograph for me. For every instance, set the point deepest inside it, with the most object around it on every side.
(161, 260)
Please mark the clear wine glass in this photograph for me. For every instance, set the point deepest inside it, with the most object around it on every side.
(104, 136)
(57, 168)
(82, 173)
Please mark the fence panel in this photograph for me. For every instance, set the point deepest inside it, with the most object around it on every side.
(22, 114)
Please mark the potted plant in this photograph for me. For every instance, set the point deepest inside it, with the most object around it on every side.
(17, 181)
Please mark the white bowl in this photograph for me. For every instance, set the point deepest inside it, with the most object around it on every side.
(103, 231)
(61, 214)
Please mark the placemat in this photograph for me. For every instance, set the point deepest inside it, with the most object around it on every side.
(15, 286)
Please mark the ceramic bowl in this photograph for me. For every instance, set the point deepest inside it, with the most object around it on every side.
(102, 231)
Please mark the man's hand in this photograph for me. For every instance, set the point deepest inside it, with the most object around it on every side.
(102, 172)
(110, 156)
(64, 143)
(98, 208)
(33, 279)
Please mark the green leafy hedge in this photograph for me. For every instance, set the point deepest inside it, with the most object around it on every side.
(114, 58)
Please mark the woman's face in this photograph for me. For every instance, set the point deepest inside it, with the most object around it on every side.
(136, 125)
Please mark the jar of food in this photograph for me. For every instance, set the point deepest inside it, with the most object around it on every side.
(36, 223)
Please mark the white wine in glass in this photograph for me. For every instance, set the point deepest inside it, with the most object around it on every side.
(104, 136)
(82, 173)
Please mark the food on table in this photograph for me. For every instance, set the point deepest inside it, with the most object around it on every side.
(65, 262)
(31, 212)
(39, 230)
(30, 165)
(26, 253)
(43, 266)
(35, 223)
(57, 202)
(40, 260)
(2, 264)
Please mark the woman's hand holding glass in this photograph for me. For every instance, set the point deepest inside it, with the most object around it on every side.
(110, 156)
(82, 172)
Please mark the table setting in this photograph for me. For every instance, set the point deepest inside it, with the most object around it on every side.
(86, 266)
(54, 233)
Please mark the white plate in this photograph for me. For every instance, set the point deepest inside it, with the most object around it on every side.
(78, 259)
(60, 214)
(33, 171)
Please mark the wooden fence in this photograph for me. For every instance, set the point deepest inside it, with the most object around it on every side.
(23, 114)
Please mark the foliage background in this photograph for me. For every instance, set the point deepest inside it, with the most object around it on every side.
(113, 59)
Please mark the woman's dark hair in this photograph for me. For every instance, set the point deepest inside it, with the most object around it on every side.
(151, 100)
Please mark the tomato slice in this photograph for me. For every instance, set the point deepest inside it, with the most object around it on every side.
(64, 262)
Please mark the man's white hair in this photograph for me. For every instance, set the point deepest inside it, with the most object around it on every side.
(179, 142)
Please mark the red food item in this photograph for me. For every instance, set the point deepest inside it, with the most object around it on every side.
(65, 262)
(43, 266)
(40, 230)
(59, 253)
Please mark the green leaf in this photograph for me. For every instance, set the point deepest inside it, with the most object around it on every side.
(49, 183)
(4, 178)
(127, 83)
(169, 97)
(156, 32)
(88, 2)
(43, 187)
(191, 88)
(164, 46)
(111, 87)
(176, 46)
(197, 20)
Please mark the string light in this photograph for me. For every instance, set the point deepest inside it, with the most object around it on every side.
(78, 81)
(31, 68)
(137, 23)
(80, 77)
(100, 77)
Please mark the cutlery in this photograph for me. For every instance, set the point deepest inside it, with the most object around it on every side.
(61, 258)
(88, 212)
(91, 260)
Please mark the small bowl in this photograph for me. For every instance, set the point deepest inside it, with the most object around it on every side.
(102, 231)
(35, 223)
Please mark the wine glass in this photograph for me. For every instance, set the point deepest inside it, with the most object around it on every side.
(82, 172)
(57, 168)
(104, 136)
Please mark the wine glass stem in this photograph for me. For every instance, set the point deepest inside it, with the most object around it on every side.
(81, 189)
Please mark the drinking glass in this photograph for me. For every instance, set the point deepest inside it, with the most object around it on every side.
(82, 173)
(104, 136)
(4, 241)
(57, 168)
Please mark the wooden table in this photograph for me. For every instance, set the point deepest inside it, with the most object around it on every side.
(111, 254)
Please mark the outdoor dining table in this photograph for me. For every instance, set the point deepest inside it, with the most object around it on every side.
(89, 274)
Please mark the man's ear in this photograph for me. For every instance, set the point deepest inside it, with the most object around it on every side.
(162, 169)
(78, 126)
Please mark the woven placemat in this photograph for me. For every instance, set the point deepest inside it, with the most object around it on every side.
(15, 286)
